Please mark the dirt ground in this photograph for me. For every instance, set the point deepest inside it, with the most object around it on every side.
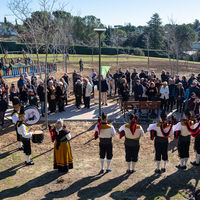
(40, 181)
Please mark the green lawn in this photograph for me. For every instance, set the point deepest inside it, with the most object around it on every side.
(88, 58)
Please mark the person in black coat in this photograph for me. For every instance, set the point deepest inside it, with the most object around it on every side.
(116, 79)
(41, 94)
(124, 91)
(78, 90)
(3, 107)
(104, 90)
(128, 78)
(23, 95)
(152, 92)
(60, 95)
(138, 91)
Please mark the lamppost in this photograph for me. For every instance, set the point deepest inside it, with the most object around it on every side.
(99, 31)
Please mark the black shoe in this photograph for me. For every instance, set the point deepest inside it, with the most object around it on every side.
(184, 167)
(21, 148)
(108, 170)
(132, 171)
(128, 171)
(157, 171)
(180, 167)
(101, 171)
(106, 104)
(29, 163)
(163, 170)
(194, 164)
(102, 104)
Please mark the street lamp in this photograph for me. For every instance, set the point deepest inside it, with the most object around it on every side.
(99, 31)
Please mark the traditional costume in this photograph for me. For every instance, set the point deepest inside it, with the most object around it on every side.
(15, 118)
(161, 132)
(25, 137)
(63, 160)
(183, 134)
(105, 132)
(132, 132)
(196, 134)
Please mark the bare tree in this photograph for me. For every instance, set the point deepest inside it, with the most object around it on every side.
(40, 25)
(117, 39)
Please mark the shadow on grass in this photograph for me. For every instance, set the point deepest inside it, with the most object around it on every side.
(5, 154)
(167, 187)
(34, 183)
(75, 187)
(12, 171)
(103, 188)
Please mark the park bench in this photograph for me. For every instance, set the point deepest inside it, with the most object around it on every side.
(140, 105)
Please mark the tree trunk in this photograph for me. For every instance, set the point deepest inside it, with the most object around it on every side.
(38, 62)
(46, 111)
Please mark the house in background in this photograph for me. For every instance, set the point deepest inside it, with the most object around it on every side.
(6, 31)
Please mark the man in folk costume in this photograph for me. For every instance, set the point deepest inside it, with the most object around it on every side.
(183, 134)
(132, 132)
(196, 134)
(105, 132)
(161, 132)
(25, 137)
(63, 160)
(15, 118)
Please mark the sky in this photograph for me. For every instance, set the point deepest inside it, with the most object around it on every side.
(120, 12)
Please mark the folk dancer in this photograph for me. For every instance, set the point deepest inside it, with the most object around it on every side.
(161, 132)
(25, 135)
(132, 132)
(183, 134)
(196, 134)
(63, 160)
(15, 118)
(105, 132)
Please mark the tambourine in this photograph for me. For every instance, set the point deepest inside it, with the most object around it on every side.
(32, 115)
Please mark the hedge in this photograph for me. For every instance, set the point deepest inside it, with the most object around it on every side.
(14, 46)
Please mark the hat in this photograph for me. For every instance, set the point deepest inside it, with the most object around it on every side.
(21, 113)
(187, 113)
(104, 116)
(60, 83)
(16, 102)
(59, 121)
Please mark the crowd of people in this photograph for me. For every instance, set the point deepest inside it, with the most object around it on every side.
(173, 92)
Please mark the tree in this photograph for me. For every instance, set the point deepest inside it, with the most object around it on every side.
(40, 25)
(155, 32)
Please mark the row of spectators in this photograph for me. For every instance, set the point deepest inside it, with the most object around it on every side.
(173, 92)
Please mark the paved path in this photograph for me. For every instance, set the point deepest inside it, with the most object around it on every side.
(72, 113)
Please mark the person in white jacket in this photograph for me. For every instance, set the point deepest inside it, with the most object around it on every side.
(25, 137)
(164, 92)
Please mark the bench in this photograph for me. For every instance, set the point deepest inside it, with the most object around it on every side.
(140, 105)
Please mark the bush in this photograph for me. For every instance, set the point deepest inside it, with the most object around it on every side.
(138, 52)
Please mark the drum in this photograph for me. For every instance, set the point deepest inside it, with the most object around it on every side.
(38, 136)
(32, 115)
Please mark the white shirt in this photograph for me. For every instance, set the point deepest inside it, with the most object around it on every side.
(107, 131)
(157, 128)
(15, 118)
(138, 132)
(23, 131)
